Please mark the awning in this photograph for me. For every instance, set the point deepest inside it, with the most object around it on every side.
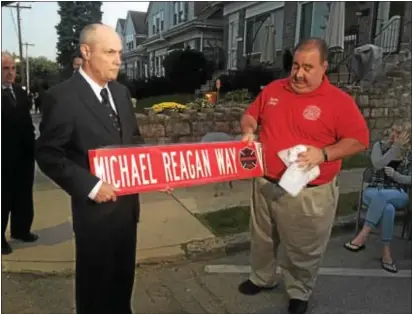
(268, 55)
(335, 28)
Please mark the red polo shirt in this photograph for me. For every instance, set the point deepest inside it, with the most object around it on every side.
(320, 118)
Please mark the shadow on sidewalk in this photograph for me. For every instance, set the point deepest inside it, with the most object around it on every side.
(48, 236)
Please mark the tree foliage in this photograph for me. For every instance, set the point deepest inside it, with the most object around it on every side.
(187, 68)
(43, 70)
(74, 16)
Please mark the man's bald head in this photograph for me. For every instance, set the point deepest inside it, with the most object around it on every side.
(8, 69)
(93, 33)
(314, 43)
(6, 56)
(100, 48)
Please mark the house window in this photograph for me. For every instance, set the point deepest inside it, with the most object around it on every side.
(256, 28)
(180, 11)
(162, 23)
(158, 22)
(175, 12)
(129, 42)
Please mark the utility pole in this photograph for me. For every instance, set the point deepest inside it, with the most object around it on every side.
(27, 67)
(18, 8)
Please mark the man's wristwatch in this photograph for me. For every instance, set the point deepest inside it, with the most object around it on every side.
(325, 155)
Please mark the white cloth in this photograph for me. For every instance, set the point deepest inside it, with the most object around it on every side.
(295, 178)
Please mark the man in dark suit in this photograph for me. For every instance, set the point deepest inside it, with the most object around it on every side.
(77, 63)
(17, 162)
(88, 111)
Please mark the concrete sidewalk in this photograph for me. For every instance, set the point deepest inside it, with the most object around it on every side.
(165, 231)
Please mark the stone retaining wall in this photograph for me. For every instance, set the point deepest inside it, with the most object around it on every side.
(381, 106)
(190, 126)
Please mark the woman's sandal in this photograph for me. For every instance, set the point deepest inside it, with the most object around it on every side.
(390, 267)
(354, 247)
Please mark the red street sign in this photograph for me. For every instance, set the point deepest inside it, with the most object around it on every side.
(153, 168)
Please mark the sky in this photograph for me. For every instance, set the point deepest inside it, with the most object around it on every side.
(38, 25)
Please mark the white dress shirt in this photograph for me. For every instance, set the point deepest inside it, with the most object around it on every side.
(97, 89)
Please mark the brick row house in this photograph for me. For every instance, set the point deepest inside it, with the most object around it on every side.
(148, 37)
(244, 32)
(232, 33)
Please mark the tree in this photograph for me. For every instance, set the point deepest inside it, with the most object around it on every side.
(74, 16)
(186, 69)
(42, 70)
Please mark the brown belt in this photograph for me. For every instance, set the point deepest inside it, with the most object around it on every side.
(276, 181)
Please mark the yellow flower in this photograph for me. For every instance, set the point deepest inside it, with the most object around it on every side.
(168, 105)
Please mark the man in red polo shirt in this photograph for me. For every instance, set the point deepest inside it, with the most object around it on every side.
(302, 109)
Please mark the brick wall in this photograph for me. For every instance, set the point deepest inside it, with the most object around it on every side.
(190, 126)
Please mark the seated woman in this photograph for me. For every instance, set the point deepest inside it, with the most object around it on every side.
(392, 162)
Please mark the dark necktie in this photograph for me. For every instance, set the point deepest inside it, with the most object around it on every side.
(10, 95)
(112, 114)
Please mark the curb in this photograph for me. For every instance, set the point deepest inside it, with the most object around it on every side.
(221, 246)
(192, 251)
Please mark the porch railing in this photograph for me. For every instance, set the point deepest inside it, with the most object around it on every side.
(388, 38)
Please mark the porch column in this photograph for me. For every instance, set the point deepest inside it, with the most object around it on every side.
(226, 40)
(241, 60)
(367, 22)
(290, 22)
(407, 25)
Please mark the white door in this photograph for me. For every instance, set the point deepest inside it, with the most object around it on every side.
(232, 41)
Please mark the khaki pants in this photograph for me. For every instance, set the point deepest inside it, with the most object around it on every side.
(302, 224)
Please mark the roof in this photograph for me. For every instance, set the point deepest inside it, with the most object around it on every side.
(209, 11)
(199, 6)
(139, 23)
(121, 22)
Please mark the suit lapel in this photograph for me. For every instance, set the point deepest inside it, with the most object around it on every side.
(93, 105)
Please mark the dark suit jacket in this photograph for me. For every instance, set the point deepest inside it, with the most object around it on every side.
(74, 121)
(17, 131)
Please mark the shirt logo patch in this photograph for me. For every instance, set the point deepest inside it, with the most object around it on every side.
(312, 113)
(272, 101)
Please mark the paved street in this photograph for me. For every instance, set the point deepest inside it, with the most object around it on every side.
(188, 288)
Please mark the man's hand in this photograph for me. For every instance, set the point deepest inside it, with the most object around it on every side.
(106, 193)
(311, 158)
(389, 171)
(248, 137)
(402, 138)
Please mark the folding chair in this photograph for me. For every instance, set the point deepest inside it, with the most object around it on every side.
(362, 208)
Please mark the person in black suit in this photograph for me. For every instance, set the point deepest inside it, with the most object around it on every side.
(76, 63)
(17, 162)
(89, 111)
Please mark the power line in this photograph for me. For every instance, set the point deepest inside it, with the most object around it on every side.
(14, 22)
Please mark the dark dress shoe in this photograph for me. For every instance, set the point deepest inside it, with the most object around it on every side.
(297, 306)
(30, 237)
(5, 248)
(249, 288)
